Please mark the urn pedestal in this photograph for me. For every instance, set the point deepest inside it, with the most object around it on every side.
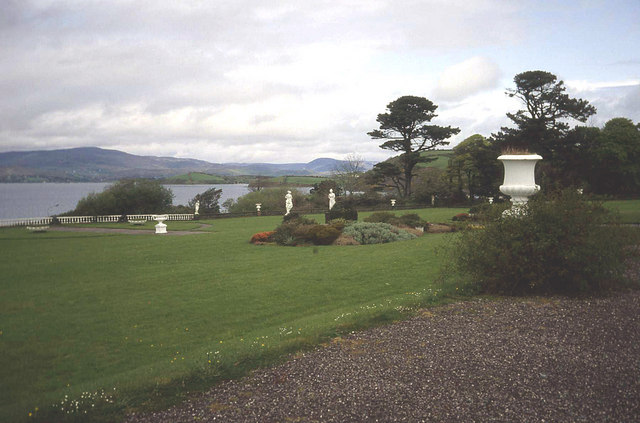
(519, 177)
(161, 228)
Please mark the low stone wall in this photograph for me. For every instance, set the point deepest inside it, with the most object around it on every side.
(35, 221)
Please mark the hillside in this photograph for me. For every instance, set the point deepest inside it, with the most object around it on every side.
(90, 164)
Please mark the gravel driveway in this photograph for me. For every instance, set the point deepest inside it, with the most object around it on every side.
(507, 360)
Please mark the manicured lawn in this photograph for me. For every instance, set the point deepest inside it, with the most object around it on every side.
(80, 312)
(629, 210)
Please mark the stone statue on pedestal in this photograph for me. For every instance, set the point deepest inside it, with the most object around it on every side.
(288, 202)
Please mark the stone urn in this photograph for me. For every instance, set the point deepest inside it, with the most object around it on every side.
(519, 177)
(161, 228)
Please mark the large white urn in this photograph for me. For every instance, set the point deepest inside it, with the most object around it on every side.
(519, 177)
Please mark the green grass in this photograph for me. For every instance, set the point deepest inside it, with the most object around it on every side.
(80, 312)
(442, 159)
(629, 210)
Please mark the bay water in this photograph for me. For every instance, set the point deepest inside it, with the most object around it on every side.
(49, 198)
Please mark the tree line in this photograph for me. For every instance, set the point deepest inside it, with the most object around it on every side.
(604, 161)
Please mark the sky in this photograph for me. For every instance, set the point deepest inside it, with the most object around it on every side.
(292, 80)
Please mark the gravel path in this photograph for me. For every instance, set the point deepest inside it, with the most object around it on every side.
(508, 360)
(124, 231)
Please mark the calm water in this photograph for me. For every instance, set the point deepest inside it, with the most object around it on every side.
(45, 199)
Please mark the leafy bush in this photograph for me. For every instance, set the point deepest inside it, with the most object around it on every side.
(285, 234)
(342, 210)
(298, 219)
(128, 196)
(345, 240)
(460, 217)
(262, 237)
(560, 244)
(376, 233)
(208, 201)
(486, 211)
(412, 220)
(323, 234)
(339, 224)
(297, 230)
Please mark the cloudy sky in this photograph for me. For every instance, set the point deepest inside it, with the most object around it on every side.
(293, 80)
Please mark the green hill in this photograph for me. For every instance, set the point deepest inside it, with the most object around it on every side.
(197, 178)
(442, 158)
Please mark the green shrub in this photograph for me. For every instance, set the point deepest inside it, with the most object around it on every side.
(285, 235)
(262, 237)
(323, 234)
(460, 217)
(128, 196)
(560, 244)
(376, 233)
(297, 219)
(381, 217)
(412, 220)
(299, 230)
(342, 210)
(339, 224)
(484, 211)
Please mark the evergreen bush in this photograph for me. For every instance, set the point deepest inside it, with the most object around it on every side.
(323, 234)
(412, 220)
(376, 233)
(342, 210)
(560, 243)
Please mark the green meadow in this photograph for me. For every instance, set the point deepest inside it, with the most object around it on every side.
(154, 316)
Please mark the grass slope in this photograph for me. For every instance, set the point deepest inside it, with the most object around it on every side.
(80, 312)
(442, 159)
(629, 210)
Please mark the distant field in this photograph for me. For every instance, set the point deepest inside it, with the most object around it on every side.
(442, 159)
(297, 180)
(196, 178)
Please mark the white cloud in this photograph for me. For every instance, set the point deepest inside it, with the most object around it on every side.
(245, 80)
(467, 78)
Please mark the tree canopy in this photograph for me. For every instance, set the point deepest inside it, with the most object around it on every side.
(127, 196)
(406, 129)
(542, 124)
(208, 201)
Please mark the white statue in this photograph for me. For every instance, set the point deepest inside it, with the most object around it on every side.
(197, 207)
(288, 202)
(332, 199)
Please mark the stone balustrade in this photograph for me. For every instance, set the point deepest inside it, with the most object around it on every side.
(26, 221)
(39, 221)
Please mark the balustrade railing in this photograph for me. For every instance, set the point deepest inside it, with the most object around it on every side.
(75, 219)
(26, 221)
(86, 219)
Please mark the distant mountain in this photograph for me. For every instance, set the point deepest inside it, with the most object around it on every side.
(97, 164)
